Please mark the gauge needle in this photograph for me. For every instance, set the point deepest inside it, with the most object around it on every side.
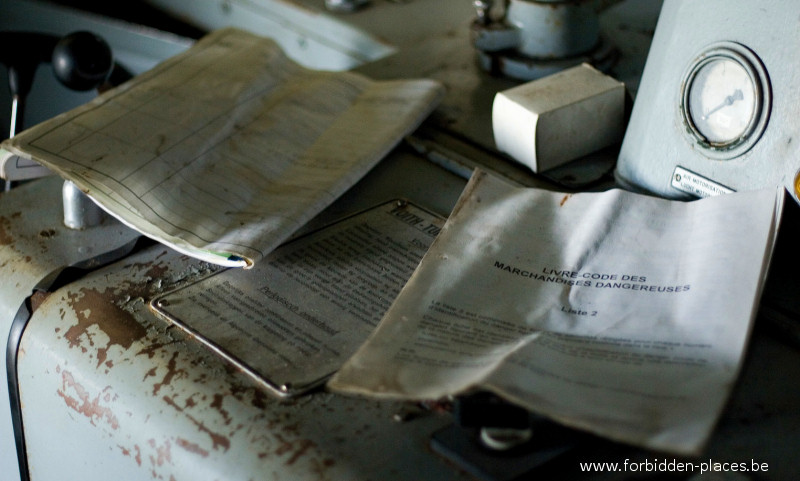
(729, 100)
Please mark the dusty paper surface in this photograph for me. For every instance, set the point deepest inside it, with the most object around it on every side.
(225, 150)
(617, 313)
(295, 318)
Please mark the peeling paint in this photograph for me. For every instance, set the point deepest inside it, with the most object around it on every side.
(151, 372)
(163, 453)
(172, 372)
(91, 408)
(259, 398)
(37, 299)
(152, 270)
(110, 314)
(217, 404)
(151, 349)
(95, 308)
(5, 237)
(47, 233)
(191, 447)
(320, 467)
(217, 440)
(296, 448)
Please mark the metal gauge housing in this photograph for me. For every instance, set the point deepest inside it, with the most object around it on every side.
(726, 100)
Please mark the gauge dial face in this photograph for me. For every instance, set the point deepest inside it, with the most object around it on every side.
(722, 100)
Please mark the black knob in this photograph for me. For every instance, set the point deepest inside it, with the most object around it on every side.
(82, 61)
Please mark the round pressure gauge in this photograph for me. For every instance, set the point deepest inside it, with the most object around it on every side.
(726, 100)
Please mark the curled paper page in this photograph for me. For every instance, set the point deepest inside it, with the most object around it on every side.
(613, 312)
(224, 151)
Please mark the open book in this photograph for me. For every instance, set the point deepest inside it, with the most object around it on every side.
(223, 151)
(617, 313)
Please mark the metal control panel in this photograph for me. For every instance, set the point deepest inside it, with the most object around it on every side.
(721, 101)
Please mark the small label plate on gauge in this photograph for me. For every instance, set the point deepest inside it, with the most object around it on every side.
(695, 184)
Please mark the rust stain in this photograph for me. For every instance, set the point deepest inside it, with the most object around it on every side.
(150, 373)
(217, 404)
(91, 408)
(37, 299)
(320, 467)
(191, 447)
(5, 237)
(150, 350)
(217, 440)
(138, 457)
(157, 272)
(163, 453)
(259, 398)
(152, 270)
(565, 199)
(172, 372)
(93, 307)
(47, 233)
(296, 448)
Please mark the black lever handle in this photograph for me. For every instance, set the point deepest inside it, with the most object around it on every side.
(82, 61)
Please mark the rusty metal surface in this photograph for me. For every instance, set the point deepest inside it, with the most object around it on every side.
(33, 243)
(128, 392)
(108, 387)
(111, 391)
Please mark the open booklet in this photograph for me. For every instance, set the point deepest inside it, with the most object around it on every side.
(617, 313)
(223, 151)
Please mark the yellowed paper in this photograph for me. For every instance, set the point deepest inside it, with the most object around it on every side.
(613, 312)
(223, 151)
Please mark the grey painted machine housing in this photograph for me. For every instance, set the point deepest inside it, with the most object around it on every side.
(658, 140)
(185, 413)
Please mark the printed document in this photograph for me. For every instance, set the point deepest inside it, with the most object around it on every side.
(297, 316)
(223, 151)
(616, 313)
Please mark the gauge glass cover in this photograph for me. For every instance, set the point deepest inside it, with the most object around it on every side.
(722, 100)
